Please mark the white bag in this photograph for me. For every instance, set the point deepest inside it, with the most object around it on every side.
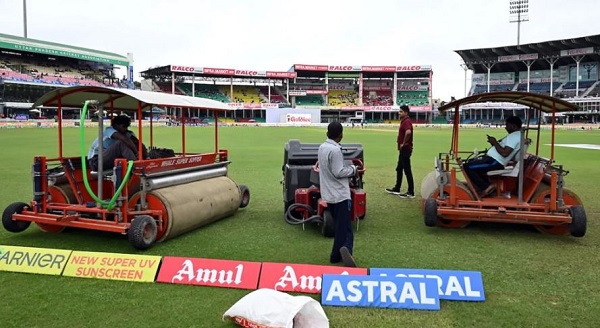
(268, 308)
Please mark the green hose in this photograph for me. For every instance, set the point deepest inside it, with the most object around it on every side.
(110, 204)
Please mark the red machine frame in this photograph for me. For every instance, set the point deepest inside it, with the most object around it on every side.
(541, 199)
(307, 199)
(54, 209)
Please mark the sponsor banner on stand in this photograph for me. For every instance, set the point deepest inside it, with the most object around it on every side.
(297, 93)
(252, 105)
(450, 285)
(209, 272)
(413, 68)
(380, 291)
(379, 69)
(241, 72)
(377, 88)
(219, 71)
(302, 67)
(340, 87)
(33, 260)
(513, 58)
(186, 69)
(302, 278)
(281, 75)
(577, 52)
(316, 92)
(341, 68)
(412, 88)
(297, 118)
(112, 266)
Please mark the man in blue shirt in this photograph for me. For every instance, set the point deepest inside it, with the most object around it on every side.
(334, 184)
(496, 157)
(118, 142)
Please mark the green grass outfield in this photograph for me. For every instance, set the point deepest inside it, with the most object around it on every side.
(530, 279)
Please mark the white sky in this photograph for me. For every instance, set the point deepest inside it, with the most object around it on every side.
(274, 34)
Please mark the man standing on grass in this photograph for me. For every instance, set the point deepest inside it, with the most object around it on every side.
(405, 148)
(335, 190)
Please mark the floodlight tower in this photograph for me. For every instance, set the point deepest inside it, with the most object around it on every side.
(519, 10)
(25, 18)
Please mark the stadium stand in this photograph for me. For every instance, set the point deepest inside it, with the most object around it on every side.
(29, 68)
(167, 87)
(481, 88)
(342, 98)
(204, 91)
(276, 98)
(378, 98)
(414, 98)
(310, 100)
(246, 94)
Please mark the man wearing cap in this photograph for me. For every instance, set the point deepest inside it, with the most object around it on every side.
(405, 148)
(118, 142)
(334, 184)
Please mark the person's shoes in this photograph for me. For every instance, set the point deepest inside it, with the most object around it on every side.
(347, 258)
(394, 191)
(406, 195)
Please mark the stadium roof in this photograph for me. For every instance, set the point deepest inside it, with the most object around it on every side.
(16, 43)
(542, 102)
(510, 58)
(123, 99)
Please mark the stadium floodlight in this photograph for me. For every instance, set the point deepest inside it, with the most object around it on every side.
(519, 12)
(25, 18)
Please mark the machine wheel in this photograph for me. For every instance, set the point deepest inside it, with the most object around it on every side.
(328, 227)
(245, 192)
(452, 222)
(142, 232)
(578, 226)
(431, 217)
(542, 195)
(58, 194)
(7, 221)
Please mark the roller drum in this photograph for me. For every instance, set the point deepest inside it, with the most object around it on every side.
(192, 205)
(184, 178)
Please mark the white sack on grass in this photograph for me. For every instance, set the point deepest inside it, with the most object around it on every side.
(268, 308)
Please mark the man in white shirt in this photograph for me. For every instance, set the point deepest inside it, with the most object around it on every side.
(496, 157)
(118, 142)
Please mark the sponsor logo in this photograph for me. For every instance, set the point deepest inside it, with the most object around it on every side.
(302, 278)
(381, 108)
(574, 52)
(297, 93)
(282, 74)
(344, 68)
(408, 87)
(340, 87)
(301, 67)
(33, 260)
(219, 71)
(181, 161)
(209, 272)
(409, 68)
(298, 118)
(517, 57)
(140, 268)
(182, 68)
(379, 68)
(247, 73)
(378, 291)
(450, 285)
(316, 92)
